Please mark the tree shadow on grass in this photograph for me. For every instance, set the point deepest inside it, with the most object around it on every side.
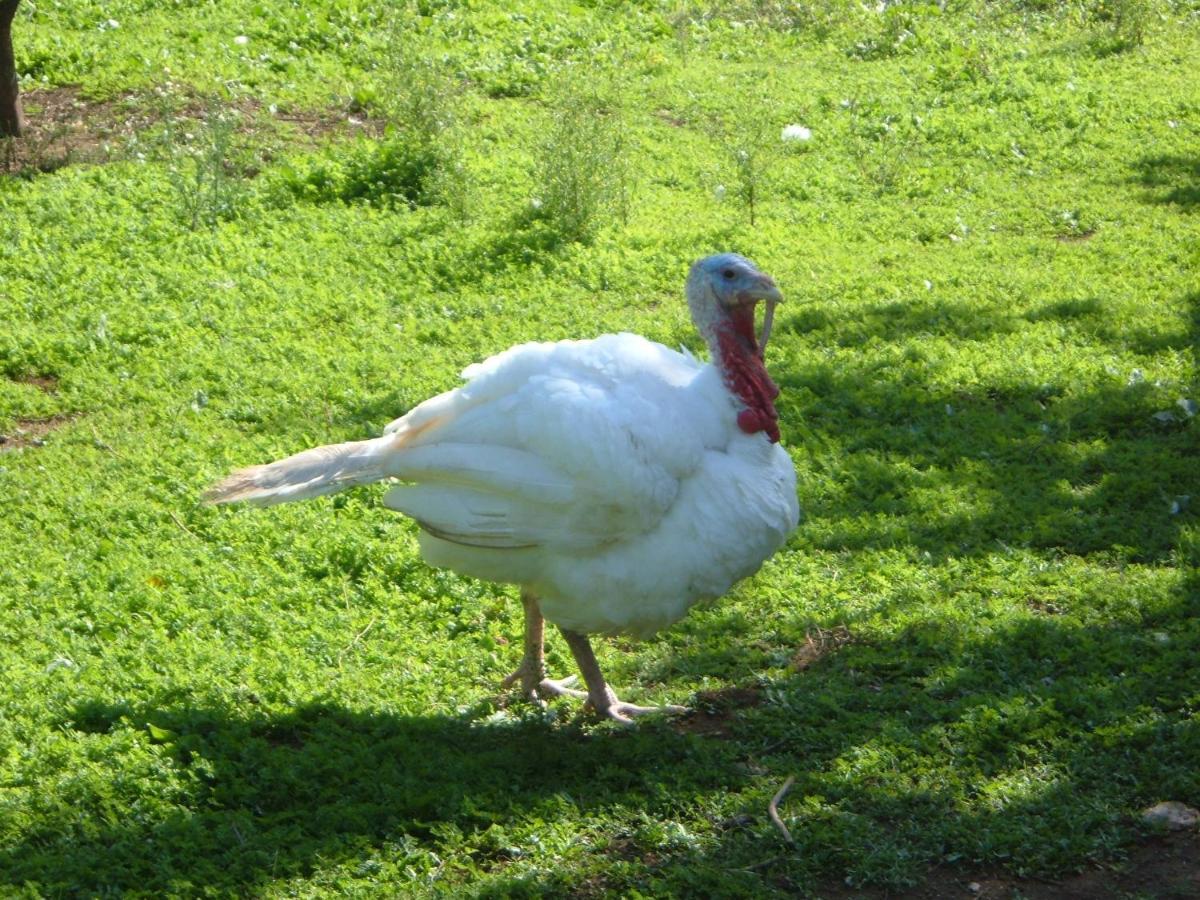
(1028, 746)
(894, 319)
(272, 796)
(978, 466)
(522, 245)
(1170, 179)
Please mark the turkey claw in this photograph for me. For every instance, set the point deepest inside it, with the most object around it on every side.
(549, 687)
(624, 713)
(537, 688)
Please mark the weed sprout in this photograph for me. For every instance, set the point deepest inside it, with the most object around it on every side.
(582, 172)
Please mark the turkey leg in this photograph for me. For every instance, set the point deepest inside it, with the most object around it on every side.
(535, 686)
(600, 695)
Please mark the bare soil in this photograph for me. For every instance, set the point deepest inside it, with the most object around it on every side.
(64, 127)
(47, 384)
(715, 713)
(33, 432)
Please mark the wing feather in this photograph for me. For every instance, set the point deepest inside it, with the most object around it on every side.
(575, 445)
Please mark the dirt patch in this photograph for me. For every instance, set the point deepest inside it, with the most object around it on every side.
(715, 712)
(1045, 607)
(60, 128)
(320, 124)
(64, 127)
(32, 432)
(47, 384)
(670, 117)
(819, 644)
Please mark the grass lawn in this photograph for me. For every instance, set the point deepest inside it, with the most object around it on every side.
(239, 229)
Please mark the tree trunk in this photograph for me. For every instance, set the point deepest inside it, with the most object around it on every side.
(12, 121)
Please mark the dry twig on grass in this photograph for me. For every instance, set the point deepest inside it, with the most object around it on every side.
(773, 808)
(358, 637)
(179, 522)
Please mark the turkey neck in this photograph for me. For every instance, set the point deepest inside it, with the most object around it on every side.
(734, 350)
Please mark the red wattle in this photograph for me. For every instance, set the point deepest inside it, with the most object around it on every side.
(742, 319)
(750, 421)
(746, 376)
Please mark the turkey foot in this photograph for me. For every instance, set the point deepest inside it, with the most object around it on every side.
(535, 686)
(600, 696)
(611, 707)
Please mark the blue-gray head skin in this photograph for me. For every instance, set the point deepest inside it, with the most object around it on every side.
(726, 287)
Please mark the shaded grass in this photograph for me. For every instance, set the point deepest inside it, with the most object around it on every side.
(1171, 179)
(273, 795)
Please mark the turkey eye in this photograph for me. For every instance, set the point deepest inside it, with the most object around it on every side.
(727, 274)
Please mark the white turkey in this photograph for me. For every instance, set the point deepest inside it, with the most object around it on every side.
(617, 482)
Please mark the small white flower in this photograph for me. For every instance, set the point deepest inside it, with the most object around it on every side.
(845, 103)
(110, 24)
(1070, 85)
(60, 662)
(536, 202)
(1171, 123)
(719, 192)
(928, 284)
(241, 40)
(796, 133)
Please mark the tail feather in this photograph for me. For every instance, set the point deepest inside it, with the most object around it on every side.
(311, 473)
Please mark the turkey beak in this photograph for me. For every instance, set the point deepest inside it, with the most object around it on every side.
(770, 295)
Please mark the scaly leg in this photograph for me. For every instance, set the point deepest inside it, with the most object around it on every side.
(600, 695)
(535, 686)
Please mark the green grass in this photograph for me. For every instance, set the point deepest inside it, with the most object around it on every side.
(990, 250)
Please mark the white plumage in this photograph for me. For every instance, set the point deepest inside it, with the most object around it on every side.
(616, 481)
